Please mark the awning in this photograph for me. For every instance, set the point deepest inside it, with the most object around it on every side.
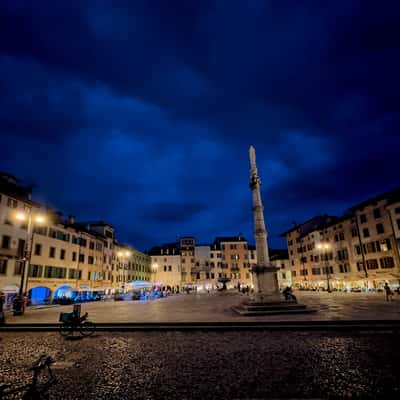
(140, 284)
(9, 289)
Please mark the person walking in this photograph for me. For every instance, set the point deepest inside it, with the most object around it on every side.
(389, 293)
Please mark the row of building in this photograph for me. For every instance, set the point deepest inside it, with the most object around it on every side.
(360, 249)
(64, 256)
(204, 266)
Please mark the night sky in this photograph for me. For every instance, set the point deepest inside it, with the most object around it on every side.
(141, 113)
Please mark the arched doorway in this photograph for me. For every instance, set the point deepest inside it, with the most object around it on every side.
(39, 295)
(64, 291)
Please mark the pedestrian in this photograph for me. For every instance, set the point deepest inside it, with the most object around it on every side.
(2, 302)
(389, 293)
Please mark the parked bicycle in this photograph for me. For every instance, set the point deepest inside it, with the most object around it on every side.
(42, 379)
(73, 322)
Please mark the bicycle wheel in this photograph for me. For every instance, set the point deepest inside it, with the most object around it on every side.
(87, 328)
(66, 329)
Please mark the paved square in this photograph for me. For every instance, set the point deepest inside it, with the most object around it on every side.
(216, 307)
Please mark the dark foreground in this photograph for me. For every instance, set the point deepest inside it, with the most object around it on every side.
(210, 365)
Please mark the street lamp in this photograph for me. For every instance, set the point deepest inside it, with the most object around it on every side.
(124, 255)
(324, 247)
(31, 220)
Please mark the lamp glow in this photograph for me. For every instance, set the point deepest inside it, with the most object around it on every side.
(21, 216)
(40, 219)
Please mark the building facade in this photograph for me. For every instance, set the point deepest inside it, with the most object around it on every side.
(59, 257)
(359, 250)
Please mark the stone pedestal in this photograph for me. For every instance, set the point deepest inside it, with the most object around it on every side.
(267, 299)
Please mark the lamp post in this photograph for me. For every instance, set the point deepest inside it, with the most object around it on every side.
(324, 247)
(31, 220)
(123, 256)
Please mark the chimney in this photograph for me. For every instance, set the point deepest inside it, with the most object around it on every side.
(71, 219)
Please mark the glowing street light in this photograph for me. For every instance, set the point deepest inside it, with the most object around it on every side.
(32, 219)
(124, 256)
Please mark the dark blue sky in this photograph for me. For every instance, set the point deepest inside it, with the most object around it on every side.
(141, 112)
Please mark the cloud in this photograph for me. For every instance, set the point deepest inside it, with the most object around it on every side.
(135, 111)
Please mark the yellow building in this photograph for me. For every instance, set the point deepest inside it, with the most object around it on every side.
(357, 251)
(48, 257)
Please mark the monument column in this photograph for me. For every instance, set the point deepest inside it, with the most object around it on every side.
(266, 300)
(265, 280)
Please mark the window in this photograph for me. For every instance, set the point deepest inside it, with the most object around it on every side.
(366, 232)
(379, 228)
(165, 268)
(397, 210)
(169, 268)
(40, 230)
(343, 254)
(88, 275)
(372, 264)
(52, 233)
(18, 266)
(377, 213)
(303, 272)
(327, 270)
(387, 262)
(35, 271)
(21, 248)
(360, 266)
(354, 232)
(343, 268)
(8, 221)
(74, 256)
(398, 223)
(73, 273)
(3, 265)
(83, 242)
(5, 243)
(38, 249)
(91, 245)
(99, 247)
(12, 203)
(385, 245)
(358, 249)
(52, 252)
(81, 258)
(62, 254)
(90, 260)
(316, 271)
(363, 218)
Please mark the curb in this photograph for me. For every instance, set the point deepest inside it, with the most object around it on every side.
(364, 325)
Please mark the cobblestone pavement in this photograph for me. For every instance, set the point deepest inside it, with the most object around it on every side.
(243, 365)
(217, 307)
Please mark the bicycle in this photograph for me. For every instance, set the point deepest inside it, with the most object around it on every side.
(71, 323)
(41, 382)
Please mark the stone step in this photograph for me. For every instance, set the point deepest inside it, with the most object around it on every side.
(275, 307)
(271, 311)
